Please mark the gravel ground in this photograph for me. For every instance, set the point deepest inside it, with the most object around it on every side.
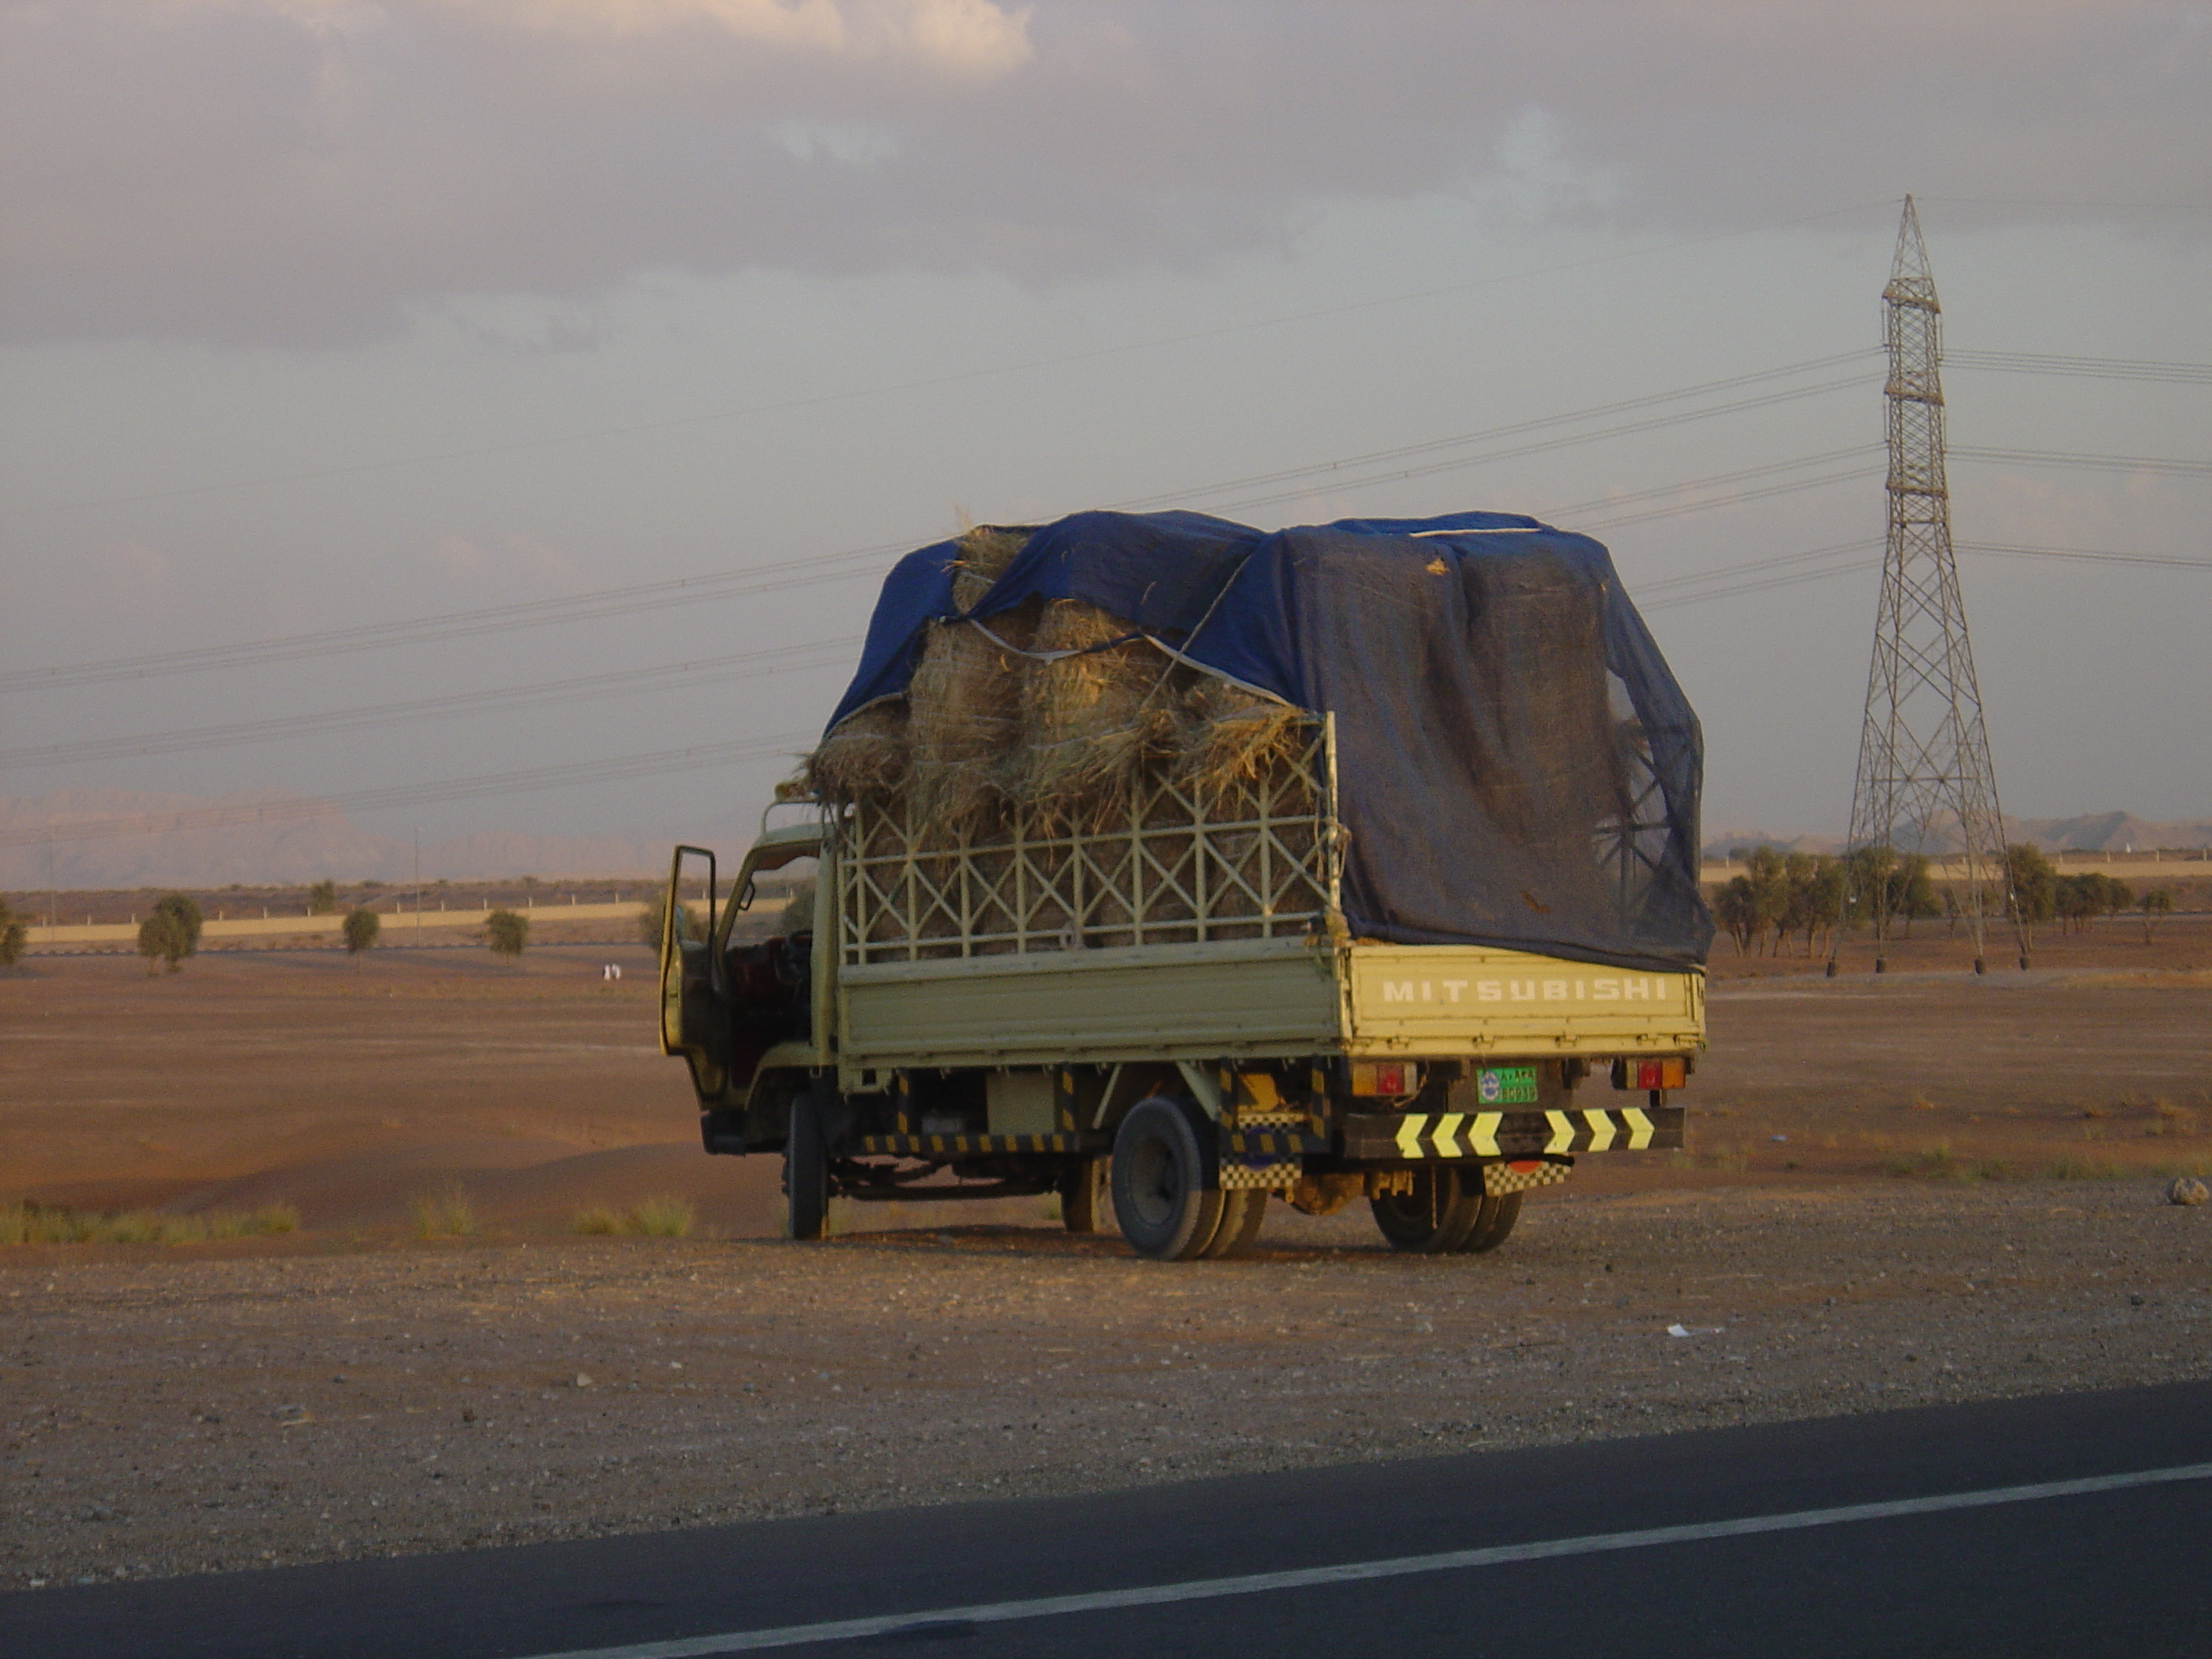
(174, 1416)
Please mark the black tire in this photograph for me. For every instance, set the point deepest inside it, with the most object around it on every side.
(1086, 1195)
(1161, 1202)
(1436, 1217)
(1495, 1225)
(1242, 1212)
(807, 1171)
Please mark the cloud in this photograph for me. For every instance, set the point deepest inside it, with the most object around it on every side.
(312, 171)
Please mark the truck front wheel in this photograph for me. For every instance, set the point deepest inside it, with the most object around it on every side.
(1435, 1216)
(806, 1169)
(1160, 1198)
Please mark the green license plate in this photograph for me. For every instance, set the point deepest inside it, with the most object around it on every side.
(1506, 1085)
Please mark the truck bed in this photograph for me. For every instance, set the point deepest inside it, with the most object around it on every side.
(1254, 998)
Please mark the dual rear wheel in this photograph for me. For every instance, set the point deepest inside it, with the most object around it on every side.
(1446, 1213)
(1164, 1199)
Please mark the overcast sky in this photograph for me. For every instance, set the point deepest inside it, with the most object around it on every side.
(327, 313)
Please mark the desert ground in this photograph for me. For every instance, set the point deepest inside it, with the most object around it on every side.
(1913, 1187)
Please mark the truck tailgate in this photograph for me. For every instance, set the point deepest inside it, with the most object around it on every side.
(1450, 998)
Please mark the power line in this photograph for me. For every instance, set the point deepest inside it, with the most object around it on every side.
(936, 382)
(465, 624)
(1398, 475)
(1856, 475)
(2098, 463)
(2110, 368)
(529, 780)
(738, 666)
(1429, 446)
(800, 571)
(2163, 561)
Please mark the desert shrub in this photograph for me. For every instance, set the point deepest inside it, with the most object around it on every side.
(597, 1220)
(448, 1215)
(362, 927)
(14, 936)
(323, 898)
(160, 939)
(506, 931)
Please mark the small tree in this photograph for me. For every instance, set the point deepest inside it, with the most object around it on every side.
(362, 924)
(1736, 908)
(323, 898)
(690, 924)
(1916, 892)
(798, 915)
(2157, 904)
(2034, 886)
(14, 936)
(507, 933)
(160, 939)
(185, 910)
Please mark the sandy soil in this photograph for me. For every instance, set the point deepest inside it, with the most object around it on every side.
(162, 1418)
(350, 1389)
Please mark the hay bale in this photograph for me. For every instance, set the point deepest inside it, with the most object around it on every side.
(1090, 720)
(1232, 736)
(964, 699)
(865, 755)
(964, 720)
(984, 551)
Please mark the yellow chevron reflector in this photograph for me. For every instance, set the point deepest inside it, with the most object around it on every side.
(1409, 1134)
(1639, 1128)
(1601, 1128)
(1562, 1132)
(1482, 1134)
(1447, 1127)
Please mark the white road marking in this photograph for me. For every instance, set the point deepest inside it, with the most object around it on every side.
(1254, 1583)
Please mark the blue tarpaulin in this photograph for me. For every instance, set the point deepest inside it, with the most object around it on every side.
(1515, 764)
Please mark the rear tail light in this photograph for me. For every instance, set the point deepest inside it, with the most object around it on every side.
(1385, 1077)
(1669, 1073)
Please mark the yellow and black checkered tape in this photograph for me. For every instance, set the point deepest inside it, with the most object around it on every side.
(1522, 1174)
(962, 1146)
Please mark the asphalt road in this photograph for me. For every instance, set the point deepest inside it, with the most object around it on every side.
(1751, 1558)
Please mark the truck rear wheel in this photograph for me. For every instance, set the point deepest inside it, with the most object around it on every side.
(1086, 1195)
(1436, 1217)
(1242, 1212)
(1160, 1198)
(806, 1170)
(1496, 1222)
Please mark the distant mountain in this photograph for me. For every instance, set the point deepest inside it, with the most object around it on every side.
(269, 836)
(2094, 832)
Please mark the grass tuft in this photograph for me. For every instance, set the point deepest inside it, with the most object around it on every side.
(448, 1215)
(2085, 1169)
(27, 1223)
(663, 1218)
(649, 1218)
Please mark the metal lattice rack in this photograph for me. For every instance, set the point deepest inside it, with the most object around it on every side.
(1180, 861)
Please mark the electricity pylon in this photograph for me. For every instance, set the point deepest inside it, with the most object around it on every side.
(1924, 775)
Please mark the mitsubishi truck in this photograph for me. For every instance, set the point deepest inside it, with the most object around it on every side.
(1441, 942)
